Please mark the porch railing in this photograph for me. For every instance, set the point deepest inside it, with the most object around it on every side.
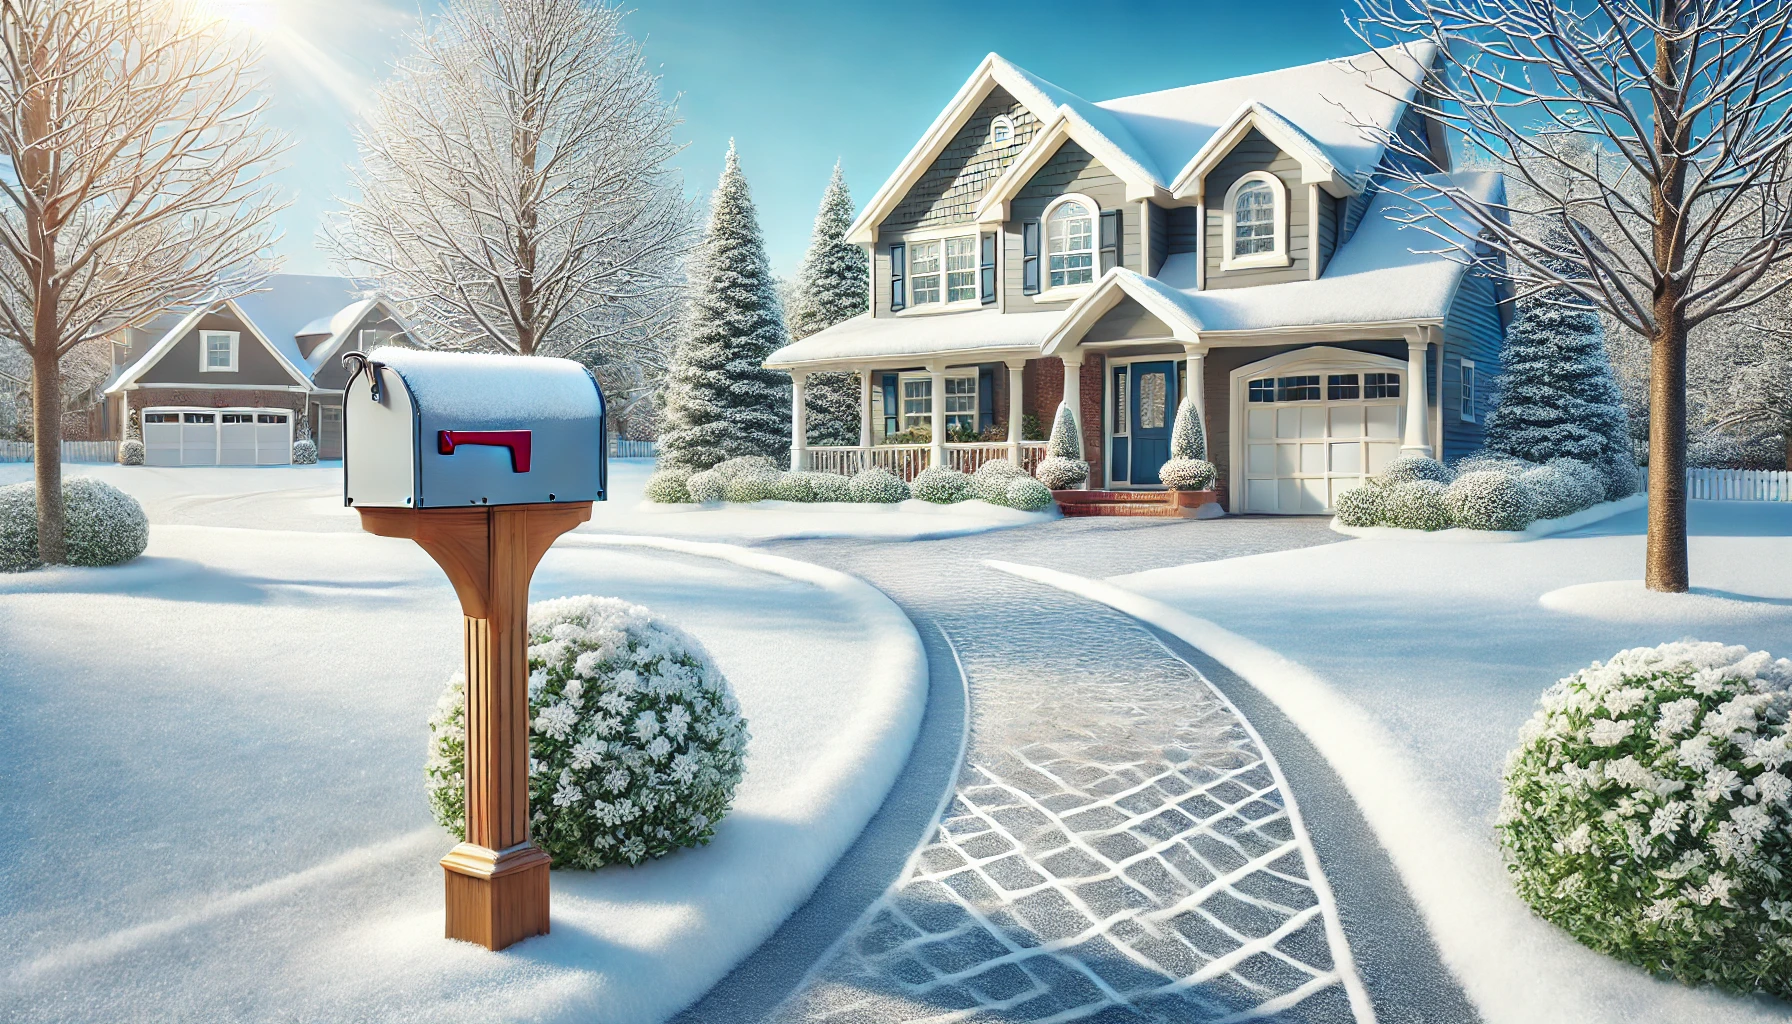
(908, 460)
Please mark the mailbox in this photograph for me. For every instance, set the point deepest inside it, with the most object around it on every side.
(445, 430)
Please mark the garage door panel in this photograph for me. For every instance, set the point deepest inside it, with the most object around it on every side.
(1287, 423)
(1260, 495)
(1347, 421)
(1287, 459)
(1384, 420)
(236, 439)
(1347, 457)
(1313, 495)
(1312, 422)
(1262, 424)
(1305, 449)
(1380, 455)
(1262, 460)
(273, 444)
(1312, 459)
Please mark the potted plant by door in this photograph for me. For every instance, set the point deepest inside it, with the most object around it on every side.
(1188, 474)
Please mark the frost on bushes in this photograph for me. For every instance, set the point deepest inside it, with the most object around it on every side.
(130, 452)
(1415, 505)
(756, 485)
(102, 524)
(668, 486)
(704, 486)
(1362, 506)
(1405, 468)
(876, 484)
(1563, 487)
(1187, 438)
(635, 743)
(1027, 494)
(1490, 500)
(991, 480)
(1187, 474)
(1492, 462)
(714, 484)
(813, 485)
(1646, 812)
(304, 452)
(1063, 465)
(942, 486)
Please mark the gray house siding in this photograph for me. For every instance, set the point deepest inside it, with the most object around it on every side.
(1254, 152)
(256, 366)
(1160, 237)
(332, 374)
(1328, 226)
(949, 190)
(1185, 229)
(1126, 321)
(1473, 331)
(1071, 169)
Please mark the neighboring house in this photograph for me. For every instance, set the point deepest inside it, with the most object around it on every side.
(1230, 237)
(228, 383)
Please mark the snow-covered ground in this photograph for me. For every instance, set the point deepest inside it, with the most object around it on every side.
(1412, 664)
(310, 498)
(213, 803)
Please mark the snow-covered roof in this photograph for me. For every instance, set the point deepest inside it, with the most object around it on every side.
(865, 337)
(494, 390)
(288, 303)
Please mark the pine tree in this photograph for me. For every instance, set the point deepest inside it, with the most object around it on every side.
(832, 286)
(1557, 397)
(721, 401)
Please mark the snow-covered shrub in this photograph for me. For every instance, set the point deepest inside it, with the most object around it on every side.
(1057, 474)
(1563, 487)
(635, 742)
(811, 485)
(1646, 812)
(941, 486)
(1187, 438)
(1187, 474)
(668, 486)
(1415, 505)
(754, 485)
(1487, 499)
(1405, 468)
(102, 524)
(745, 478)
(1493, 462)
(705, 486)
(878, 485)
(991, 480)
(1027, 494)
(1362, 506)
(130, 452)
(1063, 465)
(18, 527)
(743, 465)
(1622, 478)
(304, 452)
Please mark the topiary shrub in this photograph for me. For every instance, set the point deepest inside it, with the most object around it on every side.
(130, 452)
(1187, 474)
(878, 485)
(1415, 505)
(1646, 813)
(991, 480)
(1188, 440)
(1362, 506)
(669, 486)
(1488, 499)
(102, 525)
(1063, 465)
(941, 486)
(1027, 494)
(635, 744)
(705, 486)
(304, 452)
(1405, 468)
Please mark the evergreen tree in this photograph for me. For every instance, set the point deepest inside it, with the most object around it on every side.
(1557, 397)
(832, 286)
(721, 401)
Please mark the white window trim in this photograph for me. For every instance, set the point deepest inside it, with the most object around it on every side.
(1277, 258)
(940, 235)
(901, 392)
(1001, 119)
(205, 351)
(1466, 385)
(1067, 292)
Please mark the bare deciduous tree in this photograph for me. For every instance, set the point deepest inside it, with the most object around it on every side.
(138, 181)
(514, 191)
(1651, 140)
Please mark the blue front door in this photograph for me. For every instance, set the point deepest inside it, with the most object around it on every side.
(1153, 412)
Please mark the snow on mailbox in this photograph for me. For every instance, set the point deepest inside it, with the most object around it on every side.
(443, 430)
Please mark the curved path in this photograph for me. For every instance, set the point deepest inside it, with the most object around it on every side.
(1120, 842)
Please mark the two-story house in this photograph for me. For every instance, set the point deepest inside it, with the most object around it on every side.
(1227, 240)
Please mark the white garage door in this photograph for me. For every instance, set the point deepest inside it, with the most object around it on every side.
(199, 439)
(273, 438)
(229, 437)
(161, 438)
(1311, 436)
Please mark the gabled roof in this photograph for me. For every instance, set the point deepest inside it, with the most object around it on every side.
(864, 338)
(286, 303)
(185, 324)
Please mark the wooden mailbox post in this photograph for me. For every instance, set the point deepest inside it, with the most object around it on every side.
(496, 882)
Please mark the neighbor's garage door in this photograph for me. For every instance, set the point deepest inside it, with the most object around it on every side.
(1312, 436)
(244, 437)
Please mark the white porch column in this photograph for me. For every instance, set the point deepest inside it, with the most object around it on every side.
(1417, 440)
(1073, 386)
(936, 454)
(1197, 381)
(864, 408)
(799, 419)
(1015, 386)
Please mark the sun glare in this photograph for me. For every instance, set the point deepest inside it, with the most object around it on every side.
(258, 16)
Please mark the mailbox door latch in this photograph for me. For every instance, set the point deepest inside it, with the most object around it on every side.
(518, 441)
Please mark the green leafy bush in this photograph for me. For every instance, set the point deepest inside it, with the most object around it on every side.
(1646, 812)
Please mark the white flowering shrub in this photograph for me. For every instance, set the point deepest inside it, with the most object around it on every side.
(304, 452)
(1027, 494)
(1563, 487)
(1187, 474)
(1487, 499)
(130, 452)
(941, 486)
(990, 481)
(669, 486)
(1415, 505)
(1646, 812)
(1362, 506)
(102, 525)
(878, 485)
(635, 744)
(1405, 468)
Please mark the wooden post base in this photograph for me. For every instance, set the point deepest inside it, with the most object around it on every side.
(496, 899)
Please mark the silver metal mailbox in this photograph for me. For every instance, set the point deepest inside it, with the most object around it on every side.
(444, 430)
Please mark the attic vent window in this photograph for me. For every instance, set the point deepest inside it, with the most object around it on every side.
(1001, 131)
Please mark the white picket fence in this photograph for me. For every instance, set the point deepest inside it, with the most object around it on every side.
(72, 451)
(622, 448)
(1736, 484)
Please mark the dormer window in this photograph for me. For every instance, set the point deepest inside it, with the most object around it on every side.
(1001, 131)
(1256, 223)
(1070, 245)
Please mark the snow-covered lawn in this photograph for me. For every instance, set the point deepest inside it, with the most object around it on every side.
(1412, 664)
(213, 790)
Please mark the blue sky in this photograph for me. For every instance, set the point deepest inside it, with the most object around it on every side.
(797, 85)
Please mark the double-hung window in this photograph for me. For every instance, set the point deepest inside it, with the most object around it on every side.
(961, 403)
(924, 272)
(917, 402)
(217, 351)
(1468, 390)
(942, 270)
(960, 399)
(961, 269)
(1070, 245)
(1254, 219)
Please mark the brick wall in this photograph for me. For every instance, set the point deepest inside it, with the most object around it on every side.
(144, 398)
(1043, 382)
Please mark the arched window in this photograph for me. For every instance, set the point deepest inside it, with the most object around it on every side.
(1001, 131)
(1256, 222)
(1070, 245)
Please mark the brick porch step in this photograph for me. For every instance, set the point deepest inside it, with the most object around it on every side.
(1159, 504)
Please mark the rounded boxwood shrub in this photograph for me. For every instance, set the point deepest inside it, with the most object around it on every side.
(1622, 478)
(1494, 462)
(304, 452)
(1058, 473)
(1187, 474)
(1487, 499)
(1027, 494)
(635, 742)
(942, 486)
(1563, 487)
(669, 486)
(130, 452)
(991, 480)
(1646, 812)
(1362, 506)
(1405, 468)
(754, 485)
(1415, 505)
(813, 485)
(102, 524)
(878, 485)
